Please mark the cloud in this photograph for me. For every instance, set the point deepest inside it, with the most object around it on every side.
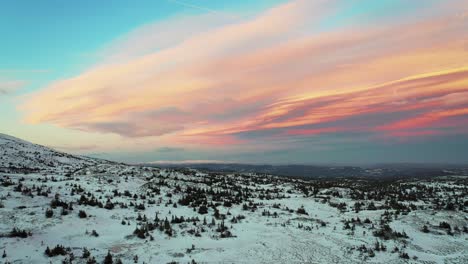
(76, 149)
(129, 128)
(186, 162)
(169, 149)
(155, 37)
(280, 74)
(8, 87)
(198, 7)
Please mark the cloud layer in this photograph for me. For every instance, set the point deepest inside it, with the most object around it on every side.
(8, 87)
(280, 75)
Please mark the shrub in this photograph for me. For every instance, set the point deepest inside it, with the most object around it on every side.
(203, 210)
(108, 258)
(425, 229)
(301, 210)
(49, 213)
(94, 233)
(445, 225)
(86, 253)
(82, 214)
(19, 233)
(56, 251)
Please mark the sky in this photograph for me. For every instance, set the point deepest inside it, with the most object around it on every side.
(268, 81)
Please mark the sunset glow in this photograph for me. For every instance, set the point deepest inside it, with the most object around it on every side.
(299, 74)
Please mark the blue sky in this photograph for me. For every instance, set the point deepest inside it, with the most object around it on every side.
(257, 81)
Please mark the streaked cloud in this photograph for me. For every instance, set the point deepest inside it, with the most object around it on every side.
(8, 86)
(75, 148)
(281, 75)
(186, 161)
(169, 149)
(201, 8)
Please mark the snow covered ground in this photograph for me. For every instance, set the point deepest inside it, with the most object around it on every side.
(17, 155)
(228, 218)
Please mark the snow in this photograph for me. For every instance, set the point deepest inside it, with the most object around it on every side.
(17, 155)
(258, 239)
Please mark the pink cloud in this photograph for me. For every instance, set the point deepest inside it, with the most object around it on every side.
(275, 71)
(317, 131)
(426, 120)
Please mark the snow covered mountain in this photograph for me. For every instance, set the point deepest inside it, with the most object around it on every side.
(17, 155)
(83, 210)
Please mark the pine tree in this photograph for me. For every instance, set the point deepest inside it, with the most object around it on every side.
(108, 259)
(94, 233)
(82, 214)
(167, 225)
(203, 210)
(156, 218)
(377, 246)
(86, 253)
(425, 229)
(47, 251)
(91, 261)
(49, 213)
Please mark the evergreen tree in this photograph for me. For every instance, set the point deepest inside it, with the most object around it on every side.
(91, 261)
(47, 251)
(425, 229)
(203, 209)
(82, 214)
(108, 258)
(49, 213)
(86, 253)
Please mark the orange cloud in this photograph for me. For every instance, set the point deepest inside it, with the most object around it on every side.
(317, 131)
(425, 120)
(277, 71)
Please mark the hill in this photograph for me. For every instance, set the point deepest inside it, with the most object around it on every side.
(17, 155)
(61, 208)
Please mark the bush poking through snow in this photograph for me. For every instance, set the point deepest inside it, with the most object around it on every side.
(82, 214)
(94, 233)
(86, 253)
(58, 250)
(301, 210)
(49, 213)
(19, 233)
(108, 258)
(425, 229)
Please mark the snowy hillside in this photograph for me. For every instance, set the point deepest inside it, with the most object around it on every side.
(19, 155)
(116, 213)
